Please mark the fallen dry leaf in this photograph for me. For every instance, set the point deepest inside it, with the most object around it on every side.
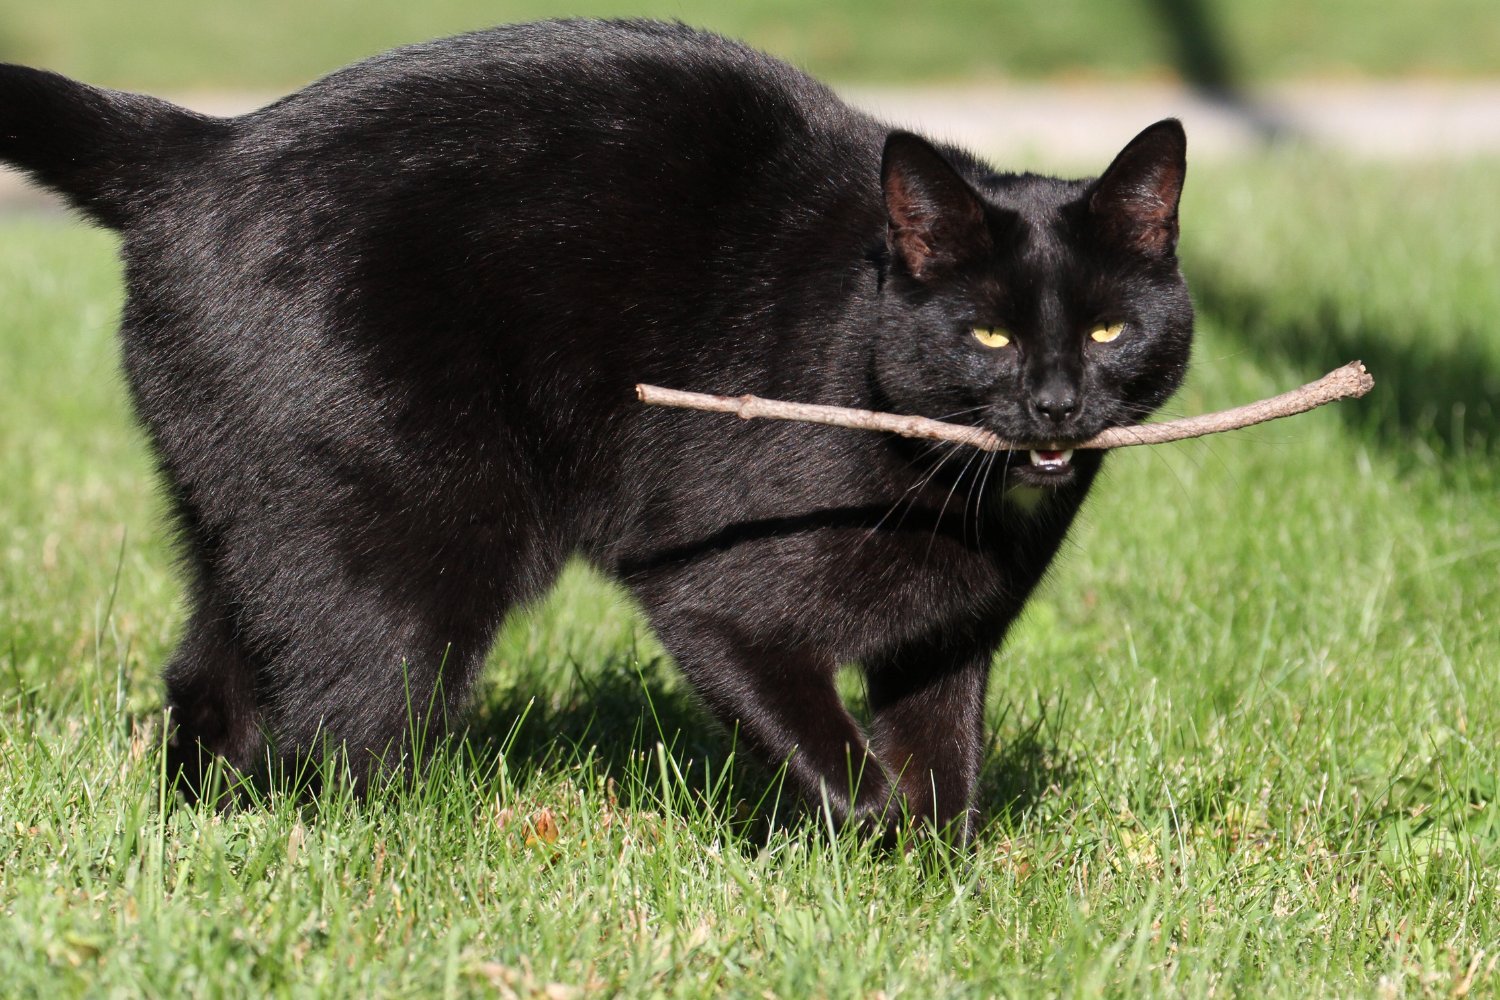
(542, 826)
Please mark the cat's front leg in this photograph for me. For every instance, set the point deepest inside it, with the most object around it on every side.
(780, 698)
(928, 730)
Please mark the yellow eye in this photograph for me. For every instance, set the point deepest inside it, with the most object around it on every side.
(991, 336)
(1104, 334)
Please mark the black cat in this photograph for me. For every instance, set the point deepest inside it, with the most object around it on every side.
(384, 334)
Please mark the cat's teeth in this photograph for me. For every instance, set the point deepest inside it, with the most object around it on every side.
(1052, 459)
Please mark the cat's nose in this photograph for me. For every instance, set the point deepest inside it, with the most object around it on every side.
(1055, 402)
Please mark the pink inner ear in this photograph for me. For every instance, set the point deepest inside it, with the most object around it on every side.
(914, 248)
(1141, 213)
(935, 221)
(1154, 237)
(1148, 201)
(1153, 218)
(910, 222)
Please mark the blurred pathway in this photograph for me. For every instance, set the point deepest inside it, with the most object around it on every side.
(1082, 124)
(1079, 127)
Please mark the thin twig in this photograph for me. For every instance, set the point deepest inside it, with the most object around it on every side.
(1342, 383)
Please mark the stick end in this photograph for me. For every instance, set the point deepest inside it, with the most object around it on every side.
(1362, 381)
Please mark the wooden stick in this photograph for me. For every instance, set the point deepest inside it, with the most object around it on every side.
(1347, 382)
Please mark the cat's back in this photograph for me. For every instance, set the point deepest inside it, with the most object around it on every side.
(565, 57)
(605, 146)
(547, 89)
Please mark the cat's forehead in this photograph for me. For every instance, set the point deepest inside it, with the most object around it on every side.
(1037, 199)
(1045, 241)
(1045, 255)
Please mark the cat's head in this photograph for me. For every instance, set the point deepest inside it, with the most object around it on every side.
(1044, 310)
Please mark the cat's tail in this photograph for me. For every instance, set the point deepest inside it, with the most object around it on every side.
(109, 153)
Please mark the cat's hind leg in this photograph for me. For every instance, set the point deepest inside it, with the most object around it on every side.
(213, 709)
(375, 699)
(323, 631)
(373, 660)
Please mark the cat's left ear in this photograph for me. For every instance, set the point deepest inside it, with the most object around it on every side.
(1136, 198)
(934, 219)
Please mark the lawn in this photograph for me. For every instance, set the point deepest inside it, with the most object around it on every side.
(1246, 742)
(279, 44)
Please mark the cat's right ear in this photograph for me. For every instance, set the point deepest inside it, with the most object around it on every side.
(934, 219)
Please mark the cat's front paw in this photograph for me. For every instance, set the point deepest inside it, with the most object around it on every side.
(897, 822)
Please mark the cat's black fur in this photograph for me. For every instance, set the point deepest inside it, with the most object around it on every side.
(384, 334)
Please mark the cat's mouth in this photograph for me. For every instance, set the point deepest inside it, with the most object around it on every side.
(1051, 460)
(1046, 467)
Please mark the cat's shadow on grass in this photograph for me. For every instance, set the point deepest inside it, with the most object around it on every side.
(634, 719)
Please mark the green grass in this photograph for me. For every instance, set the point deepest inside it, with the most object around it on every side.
(276, 44)
(1244, 744)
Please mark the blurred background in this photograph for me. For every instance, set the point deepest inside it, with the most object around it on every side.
(1060, 81)
(273, 45)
